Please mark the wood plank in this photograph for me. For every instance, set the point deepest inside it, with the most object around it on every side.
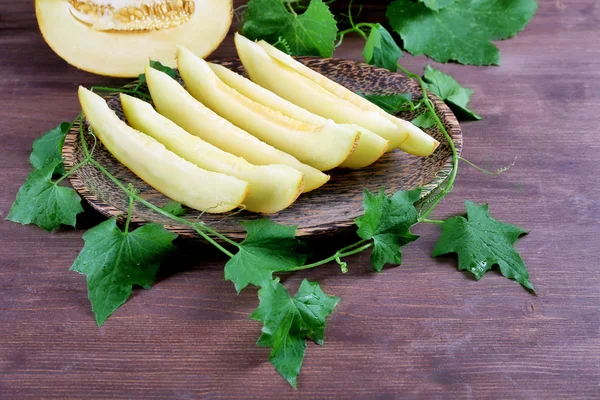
(422, 330)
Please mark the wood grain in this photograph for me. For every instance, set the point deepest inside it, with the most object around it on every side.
(328, 211)
(422, 330)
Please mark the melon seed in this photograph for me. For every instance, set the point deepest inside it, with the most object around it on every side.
(148, 15)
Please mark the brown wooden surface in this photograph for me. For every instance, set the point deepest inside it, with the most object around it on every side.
(422, 330)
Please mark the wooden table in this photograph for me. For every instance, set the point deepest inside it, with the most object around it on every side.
(422, 330)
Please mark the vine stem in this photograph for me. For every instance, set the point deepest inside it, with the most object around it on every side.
(121, 90)
(448, 188)
(431, 221)
(291, 9)
(129, 211)
(344, 252)
(354, 30)
(430, 107)
(355, 27)
(75, 168)
(137, 87)
(485, 171)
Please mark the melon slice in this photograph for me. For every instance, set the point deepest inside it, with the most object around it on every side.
(323, 146)
(418, 142)
(158, 167)
(369, 149)
(280, 73)
(272, 187)
(117, 37)
(292, 86)
(175, 103)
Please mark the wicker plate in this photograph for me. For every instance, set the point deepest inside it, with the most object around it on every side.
(327, 210)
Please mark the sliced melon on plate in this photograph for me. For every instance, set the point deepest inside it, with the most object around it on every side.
(158, 167)
(369, 149)
(323, 146)
(175, 103)
(117, 37)
(272, 187)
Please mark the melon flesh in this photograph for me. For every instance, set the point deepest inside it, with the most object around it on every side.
(322, 146)
(104, 44)
(174, 102)
(160, 168)
(369, 149)
(292, 86)
(272, 187)
(418, 142)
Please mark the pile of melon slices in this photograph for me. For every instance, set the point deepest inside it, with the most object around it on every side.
(229, 142)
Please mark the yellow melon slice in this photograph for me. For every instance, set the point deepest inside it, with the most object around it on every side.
(175, 103)
(117, 37)
(418, 142)
(323, 146)
(369, 149)
(300, 90)
(158, 167)
(272, 187)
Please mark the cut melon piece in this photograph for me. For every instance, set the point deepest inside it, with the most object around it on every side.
(418, 143)
(322, 146)
(292, 86)
(158, 167)
(175, 103)
(272, 187)
(117, 37)
(369, 149)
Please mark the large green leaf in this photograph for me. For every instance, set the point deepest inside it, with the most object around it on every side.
(462, 31)
(114, 261)
(481, 242)
(288, 322)
(311, 33)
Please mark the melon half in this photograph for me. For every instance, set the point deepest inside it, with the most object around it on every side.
(118, 37)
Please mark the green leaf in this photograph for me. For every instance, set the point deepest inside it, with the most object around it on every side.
(288, 322)
(311, 33)
(43, 203)
(481, 242)
(268, 248)
(113, 261)
(381, 50)
(449, 90)
(437, 5)
(392, 103)
(48, 148)
(424, 121)
(174, 208)
(159, 66)
(462, 31)
(387, 220)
